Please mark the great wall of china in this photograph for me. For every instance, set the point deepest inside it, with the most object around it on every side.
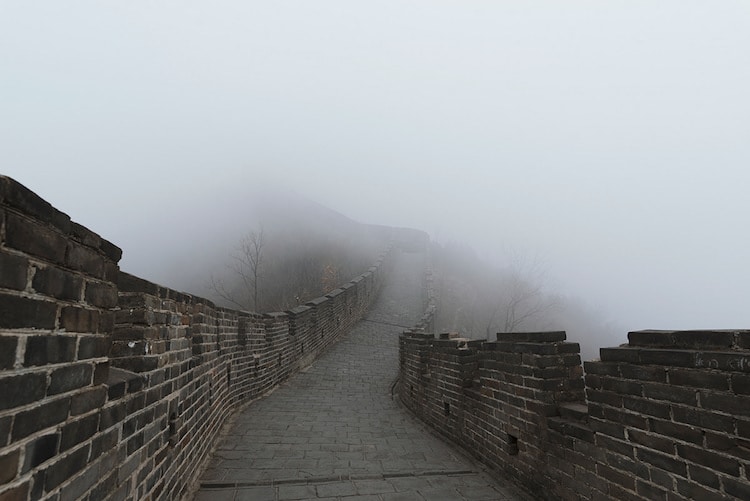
(113, 387)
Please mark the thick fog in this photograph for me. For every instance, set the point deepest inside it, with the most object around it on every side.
(609, 138)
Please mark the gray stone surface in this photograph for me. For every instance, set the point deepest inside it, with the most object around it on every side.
(334, 432)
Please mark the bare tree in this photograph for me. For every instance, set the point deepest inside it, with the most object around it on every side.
(522, 297)
(246, 266)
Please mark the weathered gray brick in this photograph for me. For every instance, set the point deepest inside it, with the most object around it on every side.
(49, 349)
(60, 284)
(23, 312)
(13, 271)
(9, 462)
(70, 377)
(8, 346)
(40, 450)
(102, 295)
(18, 390)
(46, 415)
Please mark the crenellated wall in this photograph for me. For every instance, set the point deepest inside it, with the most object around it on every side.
(113, 387)
(665, 417)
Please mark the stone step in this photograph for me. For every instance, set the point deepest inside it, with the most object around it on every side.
(570, 428)
(574, 411)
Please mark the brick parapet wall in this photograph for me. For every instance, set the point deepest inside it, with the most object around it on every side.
(665, 417)
(113, 387)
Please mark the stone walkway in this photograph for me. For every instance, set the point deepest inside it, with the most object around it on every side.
(333, 432)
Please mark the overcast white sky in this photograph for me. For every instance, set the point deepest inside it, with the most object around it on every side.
(609, 137)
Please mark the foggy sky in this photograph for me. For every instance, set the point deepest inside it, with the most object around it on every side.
(611, 138)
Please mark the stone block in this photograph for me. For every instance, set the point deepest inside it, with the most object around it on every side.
(727, 403)
(110, 250)
(5, 423)
(84, 259)
(699, 379)
(706, 339)
(619, 355)
(655, 374)
(105, 443)
(138, 364)
(111, 270)
(70, 377)
(23, 313)
(49, 349)
(604, 397)
(9, 462)
(740, 489)
(18, 390)
(77, 488)
(101, 373)
(18, 493)
(84, 235)
(662, 461)
(112, 414)
(657, 391)
(13, 271)
(40, 450)
(703, 476)
(93, 347)
(102, 295)
(58, 283)
(619, 446)
(602, 368)
(692, 491)
(137, 317)
(676, 358)
(78, 319)
(35, 239)
(652, 441)
(532, 337)
(130, 283)
(647, 407)
(622, 386)
(712, 460)
(76, 432)
(16, 195)
(8, 346)
(703, 418)
(106, 322)
(88, 400)
(651, 338)
(65, 468)
(36, 419)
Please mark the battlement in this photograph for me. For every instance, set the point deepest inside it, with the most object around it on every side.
(666, 416)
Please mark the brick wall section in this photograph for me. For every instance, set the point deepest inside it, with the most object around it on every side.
(665, 417)
(113, 387)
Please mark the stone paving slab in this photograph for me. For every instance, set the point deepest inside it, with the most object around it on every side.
(469, 486)
(333, 431)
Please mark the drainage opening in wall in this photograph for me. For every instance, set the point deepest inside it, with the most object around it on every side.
(446, 408)
(512, 445)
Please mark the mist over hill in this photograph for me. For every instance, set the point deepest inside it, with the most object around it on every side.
(306, 248)
(479, 299)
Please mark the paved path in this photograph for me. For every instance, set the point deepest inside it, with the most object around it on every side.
(333, 432)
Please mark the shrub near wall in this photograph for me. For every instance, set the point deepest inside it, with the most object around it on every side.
(113, 387)
(666, 417)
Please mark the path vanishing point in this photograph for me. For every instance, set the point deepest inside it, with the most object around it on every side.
(335, 431)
